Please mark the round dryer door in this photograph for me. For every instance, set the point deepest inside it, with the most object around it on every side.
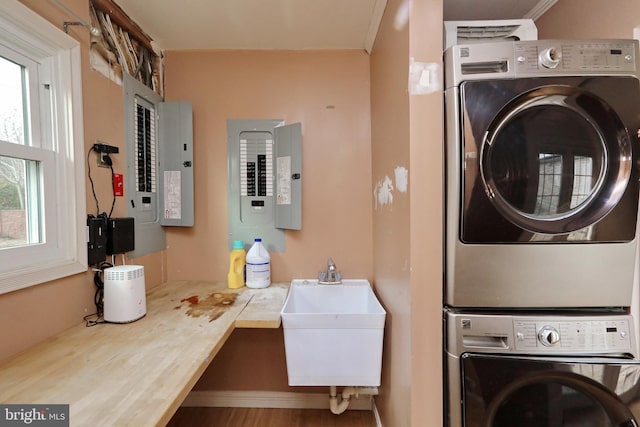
(555, 159)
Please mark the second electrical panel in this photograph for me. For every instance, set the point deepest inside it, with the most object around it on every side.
(264, 167)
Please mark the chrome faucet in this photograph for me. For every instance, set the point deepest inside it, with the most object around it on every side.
(331, 276)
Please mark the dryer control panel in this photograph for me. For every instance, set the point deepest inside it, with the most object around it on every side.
(541, 58)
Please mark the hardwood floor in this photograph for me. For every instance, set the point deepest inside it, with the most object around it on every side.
(259, 417)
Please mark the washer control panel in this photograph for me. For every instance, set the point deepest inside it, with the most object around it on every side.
(598, 334)
(573, 335)
(575, 56)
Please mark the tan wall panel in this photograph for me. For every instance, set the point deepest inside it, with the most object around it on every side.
(589, 19)
(328, 92)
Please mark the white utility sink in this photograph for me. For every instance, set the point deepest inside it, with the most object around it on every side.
(333, 333)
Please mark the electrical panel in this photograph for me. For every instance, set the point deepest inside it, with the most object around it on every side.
(288, 177)
(176, 160)
(264, 172)
(159, 149)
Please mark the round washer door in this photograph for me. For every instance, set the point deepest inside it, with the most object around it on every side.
(576, 400)
(529, 391)
(556, 159)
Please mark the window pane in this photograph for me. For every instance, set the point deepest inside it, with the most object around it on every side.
(20, 207)
(12, 102)
(583, 179)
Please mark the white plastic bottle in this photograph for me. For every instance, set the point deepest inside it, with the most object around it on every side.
(258, 266)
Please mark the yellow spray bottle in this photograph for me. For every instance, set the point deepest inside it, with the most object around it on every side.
(237, 259)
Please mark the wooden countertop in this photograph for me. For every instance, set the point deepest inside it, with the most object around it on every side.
(138, 374)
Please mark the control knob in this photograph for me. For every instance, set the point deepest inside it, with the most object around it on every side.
(550, 57)
(548, 336)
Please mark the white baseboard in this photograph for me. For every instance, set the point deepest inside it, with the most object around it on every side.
(271, 399)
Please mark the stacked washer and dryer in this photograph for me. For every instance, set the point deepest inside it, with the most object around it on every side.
(542, 156)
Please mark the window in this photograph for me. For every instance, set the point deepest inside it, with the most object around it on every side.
(556, 194)
(42, 195)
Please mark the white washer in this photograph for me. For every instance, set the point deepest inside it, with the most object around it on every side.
(541, 371)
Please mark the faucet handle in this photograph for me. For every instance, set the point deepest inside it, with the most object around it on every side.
(331, 276)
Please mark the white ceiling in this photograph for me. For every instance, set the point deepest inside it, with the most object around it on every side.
(291, 24)
(463, 10)
(258, 24)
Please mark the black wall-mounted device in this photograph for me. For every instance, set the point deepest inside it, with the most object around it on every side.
(105, 148)
(103, 151)
(120, 235)
(97, 243)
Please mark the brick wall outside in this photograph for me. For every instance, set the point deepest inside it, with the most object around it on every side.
(13, 223)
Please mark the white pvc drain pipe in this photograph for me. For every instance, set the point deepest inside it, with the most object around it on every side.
(338, 403)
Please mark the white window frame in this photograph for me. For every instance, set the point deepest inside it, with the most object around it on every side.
(59, 149)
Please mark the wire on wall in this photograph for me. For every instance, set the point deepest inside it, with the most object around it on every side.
(124, 46)
(98, 299)
(93, 189)
(113, 190)
(106, 160)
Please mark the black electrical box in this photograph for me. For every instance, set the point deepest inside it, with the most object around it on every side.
(120, 235)
(97, 243)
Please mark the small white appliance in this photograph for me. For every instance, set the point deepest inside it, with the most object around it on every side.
(124, 294)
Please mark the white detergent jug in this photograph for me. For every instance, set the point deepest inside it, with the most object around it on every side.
(258, 266)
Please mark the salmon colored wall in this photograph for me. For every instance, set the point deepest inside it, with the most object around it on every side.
(391, 222)
(427, 209)
(328, 92)
(407, 132)
(31, 315)
(589, 19)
